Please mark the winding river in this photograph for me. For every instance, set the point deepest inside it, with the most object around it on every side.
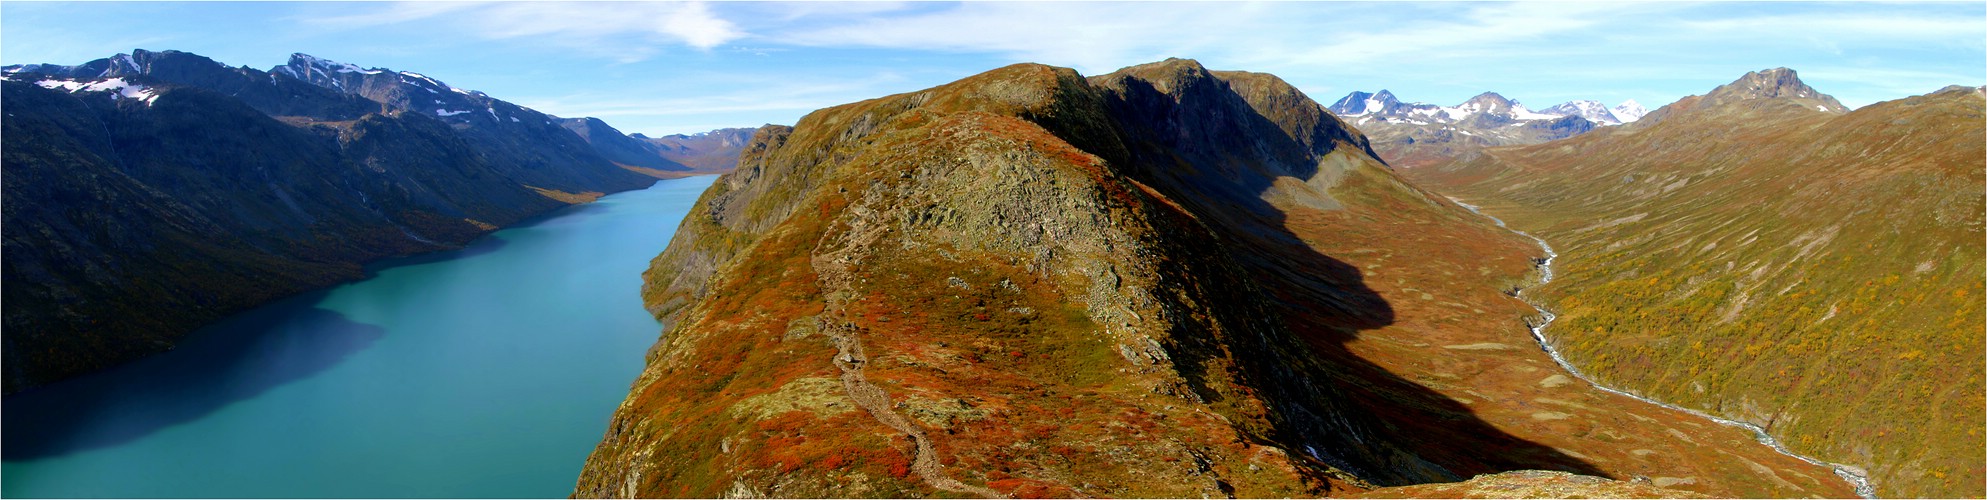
(489, 371)
(1854, 475)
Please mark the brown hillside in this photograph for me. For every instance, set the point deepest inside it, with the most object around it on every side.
(1161, 282)
(1767, 257)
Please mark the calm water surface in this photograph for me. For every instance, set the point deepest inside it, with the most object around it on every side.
(485, 372)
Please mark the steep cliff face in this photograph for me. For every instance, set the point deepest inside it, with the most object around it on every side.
(158, 191)
(1760, 253)
(1032, 283)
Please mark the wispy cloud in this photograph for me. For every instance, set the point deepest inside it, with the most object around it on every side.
(1092, 37)
(626, 31)
(1893, 26)
(1479, 33)
(737, 95)
(392, 13)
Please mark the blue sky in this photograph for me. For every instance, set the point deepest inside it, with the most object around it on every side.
(662, 68)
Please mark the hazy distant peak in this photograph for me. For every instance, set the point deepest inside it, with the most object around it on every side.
(1592, 110)
(1961, 89)
(1489, 99)
(1629, 111)
(1776, 83)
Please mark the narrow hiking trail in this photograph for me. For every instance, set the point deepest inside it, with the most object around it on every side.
(1856, 476)
(834, 271)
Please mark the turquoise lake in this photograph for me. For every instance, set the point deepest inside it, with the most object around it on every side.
(489, 371)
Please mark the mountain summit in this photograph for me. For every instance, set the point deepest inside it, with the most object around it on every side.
(1759, 97)
(1629, 111)
(1359, 103)
(1776, 83)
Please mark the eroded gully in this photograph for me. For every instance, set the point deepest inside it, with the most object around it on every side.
(1854, 475)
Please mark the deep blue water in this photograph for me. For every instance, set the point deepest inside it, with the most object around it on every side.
(485, 372)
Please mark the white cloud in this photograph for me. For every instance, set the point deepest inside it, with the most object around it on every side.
(695, 25)
(596, 28)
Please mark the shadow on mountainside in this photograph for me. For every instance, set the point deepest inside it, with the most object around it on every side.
(1333, 404)
(235, 360)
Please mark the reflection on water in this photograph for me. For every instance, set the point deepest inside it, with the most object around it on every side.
(485, 372)
(234, 360)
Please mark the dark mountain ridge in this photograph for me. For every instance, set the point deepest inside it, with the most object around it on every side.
(149, 193)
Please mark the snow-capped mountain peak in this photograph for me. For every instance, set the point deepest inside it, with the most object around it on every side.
(301, 63)
(323, 72)
(1593, 111)
(1383, 106)
(1629, 111)
(1361, 103)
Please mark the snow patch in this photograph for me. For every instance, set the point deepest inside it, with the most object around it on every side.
(446, 112)
(335, 66)
(1373, 106)
(121, 88)
(1518, 111)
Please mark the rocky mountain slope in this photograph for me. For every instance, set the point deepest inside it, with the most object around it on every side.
(150, 193)
(1160, 282)
(1762, 253)
(1408, 135)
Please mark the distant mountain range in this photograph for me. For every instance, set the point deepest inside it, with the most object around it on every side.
(149, 193)
(712, 151)
(1763, 253)
(1412, 134)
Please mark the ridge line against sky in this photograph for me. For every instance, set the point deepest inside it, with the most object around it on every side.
(674, 67)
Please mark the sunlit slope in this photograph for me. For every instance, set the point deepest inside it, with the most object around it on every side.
(1159, 282)
(1757, 254)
